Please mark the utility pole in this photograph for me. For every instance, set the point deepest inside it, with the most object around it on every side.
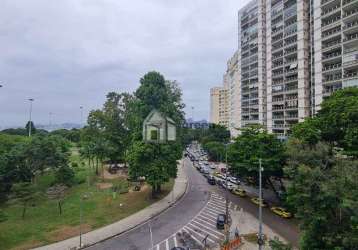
(151, 234)
(81, 108)
(30, 121)
(260, 238)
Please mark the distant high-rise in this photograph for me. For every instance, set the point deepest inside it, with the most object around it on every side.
(219, 106)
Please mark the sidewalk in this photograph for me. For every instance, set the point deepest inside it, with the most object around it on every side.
(128, 223)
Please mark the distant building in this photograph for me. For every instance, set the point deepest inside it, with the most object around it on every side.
(190, 123)
(219, 106)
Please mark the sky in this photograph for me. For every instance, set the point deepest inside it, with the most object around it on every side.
(71, 53)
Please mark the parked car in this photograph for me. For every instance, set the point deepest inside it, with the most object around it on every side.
(282, 212)
(220, 221)
(211, 180)
(240, 192)
(256, 201)
(230, 186)
(212, 166)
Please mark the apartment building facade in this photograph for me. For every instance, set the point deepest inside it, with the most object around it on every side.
(292, 54)
(335, 47)
(219, 102)
(252, 57)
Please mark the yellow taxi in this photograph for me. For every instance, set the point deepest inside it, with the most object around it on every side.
(282, 212)
(239, 192)
(256, 201)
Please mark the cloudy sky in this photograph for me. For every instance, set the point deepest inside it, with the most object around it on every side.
(70, 53)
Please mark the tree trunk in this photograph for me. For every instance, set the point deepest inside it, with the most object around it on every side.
(153, 191)
(24, 210)
(97, 166)
(60, 206)
(159, 189)
(102, 169)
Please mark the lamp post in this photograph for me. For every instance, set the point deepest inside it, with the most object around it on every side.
(30, 121)
(83, 197)
(260, 239)
(81, 108)
(226, 197)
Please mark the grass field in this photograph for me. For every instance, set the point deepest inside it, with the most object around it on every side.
(43, 224)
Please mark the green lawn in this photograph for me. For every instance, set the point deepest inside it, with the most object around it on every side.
(43, 224)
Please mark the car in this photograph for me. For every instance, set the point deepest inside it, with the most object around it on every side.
(282, 212)
(216, 173)
(211, 180)
(256, 201)
(240, 192)
(234, 180)
(220, 221)
(229, 186)
(212, 166)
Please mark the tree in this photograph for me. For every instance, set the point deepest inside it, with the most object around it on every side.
(65, 175)
(253, 144)
(216, 150)
(25, 192)
(216, 133)
(276, 244)
(157, 162)
(33, 128)
(323, 191)
(57, 192)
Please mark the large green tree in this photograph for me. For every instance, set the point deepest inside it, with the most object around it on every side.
(252, 144)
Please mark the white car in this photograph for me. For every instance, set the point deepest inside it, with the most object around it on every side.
(234, 180)
(212, 166)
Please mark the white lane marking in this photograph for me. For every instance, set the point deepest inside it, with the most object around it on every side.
(215, 210)
(205, 221)
(205, 218)
(158, 246)
(192, 236)
(201, 235)
(167, 244)
(235, 207)
(209, 215)
(212, 213)
(175, 241)
(217, 204)
(208, 228)
(213, 235)
(216, 207)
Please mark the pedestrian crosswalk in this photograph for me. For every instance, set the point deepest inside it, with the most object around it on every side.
(201, 230)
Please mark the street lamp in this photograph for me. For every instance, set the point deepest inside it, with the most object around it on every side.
(260, 238)
(31, 100)
(83, 197)
(226, 196)
(81, 108)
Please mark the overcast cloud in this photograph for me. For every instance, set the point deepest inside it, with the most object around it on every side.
(68, 53)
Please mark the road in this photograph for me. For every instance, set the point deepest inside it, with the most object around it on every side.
(193, 218)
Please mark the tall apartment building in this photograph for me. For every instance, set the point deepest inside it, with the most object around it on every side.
(288, 64)
(335, 46)
(252, 57)
(219, 106)
(232, 81)
(291, 55)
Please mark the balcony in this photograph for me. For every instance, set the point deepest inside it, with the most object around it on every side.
(332, 56)
(351, 74)
(332, 67)
(330, 10)
(349, 13)
(325, 24)
(324, 2)
(351, 37)
(347, 3)
(332, 78)
(331, 32)
(331, 45)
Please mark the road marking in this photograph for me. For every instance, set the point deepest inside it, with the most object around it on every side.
(217, 203)
(213, 235)
(213, 214)
(167, 244)
(158, 246)
(205, 218)
(175, 240)
(235, 207)
(215, 210)
(220, 209)
(214, 225)
(209, 215)
(201, 235)
(192, 236)
(210, 229)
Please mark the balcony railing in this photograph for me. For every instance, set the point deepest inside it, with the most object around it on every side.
(332, 66)
(349, 13)
(330, 21)
(332, 78)
(350, 37)
(330, 44)
(350, 25)
(351, 74)
(330, 10)
(331, 55)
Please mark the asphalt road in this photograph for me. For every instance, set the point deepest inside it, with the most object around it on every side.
(185, 211)
(167, 223)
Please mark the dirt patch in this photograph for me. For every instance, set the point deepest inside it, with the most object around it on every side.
(28, 245)
(121, 173)
(104, 185)
(66, 232)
